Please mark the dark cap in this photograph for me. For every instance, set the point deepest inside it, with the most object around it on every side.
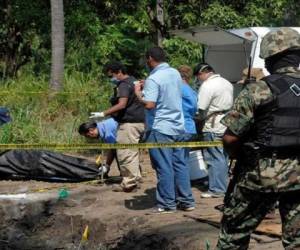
(203, 67)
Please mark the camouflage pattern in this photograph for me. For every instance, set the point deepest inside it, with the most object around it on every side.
(255, 73)
(285, 175)
(245, 210)
(278, 41)
(258, 188)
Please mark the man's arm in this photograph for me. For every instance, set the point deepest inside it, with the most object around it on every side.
(110, 156)
(199, 120)
(231, 143)
(122, 102)
(138, 92)
(124, 93)
(205, 95)
(201, 114)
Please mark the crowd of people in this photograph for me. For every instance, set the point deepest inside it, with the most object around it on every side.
(261, 129)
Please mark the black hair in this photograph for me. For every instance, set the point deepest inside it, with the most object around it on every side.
(115, 67)
(85, 127)
(157, 53)
(203, 67)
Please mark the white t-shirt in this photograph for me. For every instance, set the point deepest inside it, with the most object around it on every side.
(215, 94)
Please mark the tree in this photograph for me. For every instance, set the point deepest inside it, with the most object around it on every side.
(57, 44)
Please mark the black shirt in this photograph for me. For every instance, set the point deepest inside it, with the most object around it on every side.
(134, 110)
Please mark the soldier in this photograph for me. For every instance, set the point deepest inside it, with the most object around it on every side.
(263, 131)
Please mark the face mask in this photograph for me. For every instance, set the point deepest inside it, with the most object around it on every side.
(114, 80)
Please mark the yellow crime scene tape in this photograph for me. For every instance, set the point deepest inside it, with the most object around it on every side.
(85, 146)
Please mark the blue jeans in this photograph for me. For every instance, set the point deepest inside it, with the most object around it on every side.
(173, 186)
(217, 164)
(186, 137)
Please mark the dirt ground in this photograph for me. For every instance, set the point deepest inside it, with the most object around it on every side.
(42, 220)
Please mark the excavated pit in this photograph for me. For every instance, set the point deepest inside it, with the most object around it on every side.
(45, 224)
(43, 219)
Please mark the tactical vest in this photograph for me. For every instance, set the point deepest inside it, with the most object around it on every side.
(277, 122)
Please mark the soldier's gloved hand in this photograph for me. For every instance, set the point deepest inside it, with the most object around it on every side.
(94, 115)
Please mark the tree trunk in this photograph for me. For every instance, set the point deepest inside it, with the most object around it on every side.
(160, 19)
(58, 46)
(291, 16)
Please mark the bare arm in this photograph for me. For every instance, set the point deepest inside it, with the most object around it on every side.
(138, 92)
(231, 143)
(122, 102)
(110, 156)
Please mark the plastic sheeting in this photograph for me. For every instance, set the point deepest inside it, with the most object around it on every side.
(45, 165)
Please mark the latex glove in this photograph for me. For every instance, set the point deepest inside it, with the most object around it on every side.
(105, 169)
(96, 115)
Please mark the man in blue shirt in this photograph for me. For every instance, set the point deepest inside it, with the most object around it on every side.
(162, 98)
(106, 131)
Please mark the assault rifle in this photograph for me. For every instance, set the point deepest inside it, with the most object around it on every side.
(249, 78)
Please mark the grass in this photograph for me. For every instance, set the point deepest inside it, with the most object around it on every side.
(41, 117)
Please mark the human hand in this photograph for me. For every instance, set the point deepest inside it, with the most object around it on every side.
(103, 168)
(96, 115)
(138, 85)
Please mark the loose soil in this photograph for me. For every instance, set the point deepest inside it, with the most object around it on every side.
(114, 220)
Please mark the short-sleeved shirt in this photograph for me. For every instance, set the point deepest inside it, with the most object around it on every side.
(134, 110)
(189, 106)
(163, 86)
(285, 174)
(108, 130)
(215, 95)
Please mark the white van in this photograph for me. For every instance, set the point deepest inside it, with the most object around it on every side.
(228, 51)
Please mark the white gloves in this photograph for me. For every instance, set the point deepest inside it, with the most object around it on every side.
(96, 115)
(105, 169)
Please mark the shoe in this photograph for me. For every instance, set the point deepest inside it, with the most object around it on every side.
(220, 207)
(210, 194)
(271, 215)
(160, 210)
(185, 209)
(140, 180)
(119, 188)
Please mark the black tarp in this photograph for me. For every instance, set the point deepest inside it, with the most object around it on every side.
(45, 165)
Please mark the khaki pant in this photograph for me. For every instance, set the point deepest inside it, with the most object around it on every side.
(129, 159)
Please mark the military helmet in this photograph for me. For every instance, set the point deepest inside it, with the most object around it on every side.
(278, 41)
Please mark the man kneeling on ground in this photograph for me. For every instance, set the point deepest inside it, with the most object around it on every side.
(106, 131)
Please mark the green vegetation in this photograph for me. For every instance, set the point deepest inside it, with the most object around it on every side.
(96, 32)
(43, 117)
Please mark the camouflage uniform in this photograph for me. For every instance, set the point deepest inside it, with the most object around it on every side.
(258, 189)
